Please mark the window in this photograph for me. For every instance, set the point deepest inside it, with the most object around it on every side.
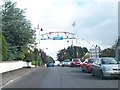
(109, 61)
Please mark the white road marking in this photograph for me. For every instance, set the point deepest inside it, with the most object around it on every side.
(13, 80)
(9, 82)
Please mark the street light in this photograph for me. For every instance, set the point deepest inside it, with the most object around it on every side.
(38, 41)
(39, 37)
(74, 24)
(96, 50)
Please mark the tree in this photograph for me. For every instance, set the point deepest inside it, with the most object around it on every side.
(16, 29)
(3, 48)
(60, 55)
(50, 59)
(37, 57)
(108, 52)
(71, 52)
(43, 56)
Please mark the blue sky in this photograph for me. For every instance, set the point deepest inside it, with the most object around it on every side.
(96, 21)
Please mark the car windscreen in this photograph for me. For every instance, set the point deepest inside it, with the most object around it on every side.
(91, 60)
(76, 60)
(109, 61)
(66, 60)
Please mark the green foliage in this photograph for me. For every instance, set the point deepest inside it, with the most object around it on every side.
(37, 57)
(4, 48)
(43, 56)
(14, 53)
(33, 62)
(50, 59)
(19, 35)
(16, 29)
(71, 52)
(109, 52)
(87, 55)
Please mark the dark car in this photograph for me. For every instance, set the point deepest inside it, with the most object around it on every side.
(75, 62)
(50, 64)
(87, 64)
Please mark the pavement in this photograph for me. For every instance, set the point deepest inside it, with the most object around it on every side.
(12, 75)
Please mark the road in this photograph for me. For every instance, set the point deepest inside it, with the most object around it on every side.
(61, 77)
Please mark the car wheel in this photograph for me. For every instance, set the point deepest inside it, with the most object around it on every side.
(83, 70)
(87, 70)
(102, 75)
(93, 74)
(72, 65)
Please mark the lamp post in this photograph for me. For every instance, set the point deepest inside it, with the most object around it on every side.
(39, 42)
(74, 24)
(96, 51)
(39, 37)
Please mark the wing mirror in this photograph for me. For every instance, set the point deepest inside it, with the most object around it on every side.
(99, 64)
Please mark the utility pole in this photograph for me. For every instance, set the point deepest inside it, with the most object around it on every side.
(74, 24)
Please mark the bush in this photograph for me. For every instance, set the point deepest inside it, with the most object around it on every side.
(33, 62)
(4, 48)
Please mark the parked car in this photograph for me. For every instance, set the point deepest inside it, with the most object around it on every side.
(106, 67)
(60, 64)
(66, 63)
(81, 64)
(75, 62)
(50, 64)
(57, 63)
(87, 64)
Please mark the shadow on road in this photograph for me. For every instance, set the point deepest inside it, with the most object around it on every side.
(76, 72)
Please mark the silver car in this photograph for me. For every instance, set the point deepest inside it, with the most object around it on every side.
(66, 63)
(106, 67)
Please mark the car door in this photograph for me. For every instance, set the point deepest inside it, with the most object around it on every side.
(85, 64)
(97, 67)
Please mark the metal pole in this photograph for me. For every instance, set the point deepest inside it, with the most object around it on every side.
(39, 40)
(77, 52)
(76, 43)
(72, 43)
(76, 36)
(96, 50)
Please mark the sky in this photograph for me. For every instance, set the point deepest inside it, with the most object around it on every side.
(96, 21)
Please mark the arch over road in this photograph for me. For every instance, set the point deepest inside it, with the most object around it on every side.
(57, 36)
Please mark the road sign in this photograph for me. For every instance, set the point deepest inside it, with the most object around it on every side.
(58, 38)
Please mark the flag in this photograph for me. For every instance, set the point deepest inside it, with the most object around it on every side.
(74, 23)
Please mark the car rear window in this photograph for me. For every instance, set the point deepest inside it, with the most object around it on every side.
(76, 60)
(91, 60)
(109, 61)
(66, 60)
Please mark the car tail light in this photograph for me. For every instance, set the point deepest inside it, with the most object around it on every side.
(89, 65)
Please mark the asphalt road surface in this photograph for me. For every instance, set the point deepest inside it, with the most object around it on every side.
(60, 77)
